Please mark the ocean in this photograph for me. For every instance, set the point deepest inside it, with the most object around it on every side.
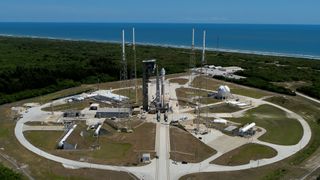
(283, 40)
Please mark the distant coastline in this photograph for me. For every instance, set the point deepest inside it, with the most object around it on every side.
(300, 41)
(173, 46)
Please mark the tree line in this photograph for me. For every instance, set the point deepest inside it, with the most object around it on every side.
(32, 67)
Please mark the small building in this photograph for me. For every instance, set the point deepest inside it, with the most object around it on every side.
(113, 112)
(220, 121)
(145, 158)
(94, 107)
(76, 98)
(239, 104)
(71, 114)
(107, 95)
(247, 130)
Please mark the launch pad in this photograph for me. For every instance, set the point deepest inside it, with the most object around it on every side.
(200, 137)
(154, 103)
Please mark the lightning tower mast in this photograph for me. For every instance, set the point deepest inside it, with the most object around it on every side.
(135, 63)
(203, 62)
(192, 63)
(124, 71)
(124, 77)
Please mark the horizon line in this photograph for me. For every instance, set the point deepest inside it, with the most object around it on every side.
(124, 22)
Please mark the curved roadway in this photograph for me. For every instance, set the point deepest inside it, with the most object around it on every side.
(176, 170)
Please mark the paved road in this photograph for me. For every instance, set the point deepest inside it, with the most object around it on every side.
(316, 159)
(163, 151)
(283, 152)
(307, 97)
(144, 172)
(163, 168)
(43, 128)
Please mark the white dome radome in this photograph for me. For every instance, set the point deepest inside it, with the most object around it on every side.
(224, 89)
(227, 88)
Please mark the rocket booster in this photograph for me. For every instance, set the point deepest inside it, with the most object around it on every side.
(163, 76)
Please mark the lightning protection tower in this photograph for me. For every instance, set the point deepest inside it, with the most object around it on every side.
(203, 63)
(192, 62)
(124, 71)
(135, 64)
(124, 78)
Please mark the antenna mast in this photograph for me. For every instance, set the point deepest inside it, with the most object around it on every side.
(124, 77)
(124, 71)
(192, 62)
(135, 63)
(203, 60)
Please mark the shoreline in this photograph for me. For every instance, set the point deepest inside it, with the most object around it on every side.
(223, 50)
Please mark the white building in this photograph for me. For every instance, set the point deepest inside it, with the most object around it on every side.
(223, 92)
(94, 106)
(113, 112)
(107, 95)
(146, 158)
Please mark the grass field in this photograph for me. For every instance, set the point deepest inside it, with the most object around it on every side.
(187, 95)
(222, 108)
(291, 168)
(282, 170)
(64, 93)
(273, 120)
(213, 85)
(115, 148)
(180, 81)
(310, 111)
(185, 147)
(46, 140)
(294, 85)
(244, 154)
(110, 152)
(278, 173)
(48, 169)
(69, 106)
(115, 153)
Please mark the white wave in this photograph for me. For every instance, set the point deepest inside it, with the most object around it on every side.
(266, 53)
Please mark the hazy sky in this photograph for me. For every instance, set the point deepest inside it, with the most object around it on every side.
(183, 11)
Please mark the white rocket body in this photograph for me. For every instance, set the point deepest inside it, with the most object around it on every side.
(163, 78)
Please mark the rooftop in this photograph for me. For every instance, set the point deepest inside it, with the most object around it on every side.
(112, 110)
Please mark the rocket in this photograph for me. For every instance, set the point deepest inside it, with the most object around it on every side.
(163, 78)
(158, 93)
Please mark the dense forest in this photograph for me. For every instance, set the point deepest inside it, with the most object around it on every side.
(31, 67)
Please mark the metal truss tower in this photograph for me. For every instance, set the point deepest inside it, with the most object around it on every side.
(124, 79)
(124, 70)
(135, 64)
(192, 62)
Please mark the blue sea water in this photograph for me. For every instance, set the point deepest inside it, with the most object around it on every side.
(287, 40)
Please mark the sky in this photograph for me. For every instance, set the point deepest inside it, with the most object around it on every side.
(162, 11)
